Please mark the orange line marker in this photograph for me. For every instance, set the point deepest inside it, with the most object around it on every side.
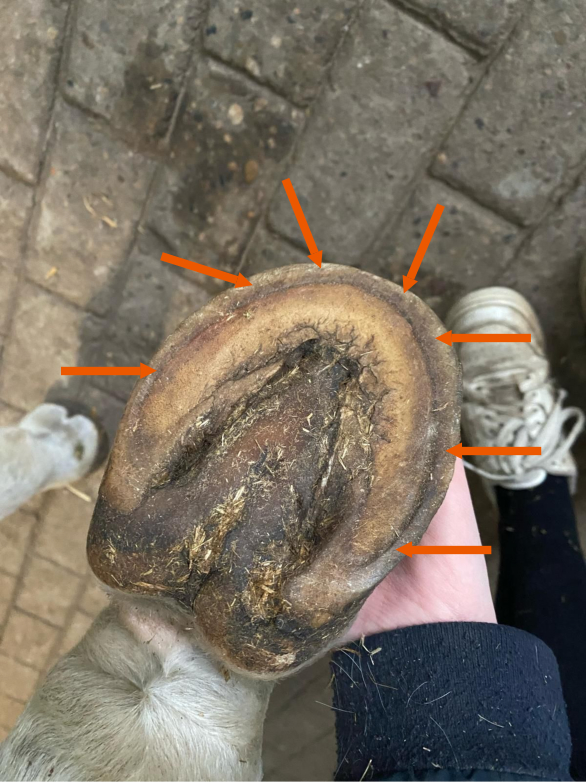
(409, 279)
(315, 254)
(409, 549)
(239, 280)
(459, 451)
(448, 338)
(142, 371)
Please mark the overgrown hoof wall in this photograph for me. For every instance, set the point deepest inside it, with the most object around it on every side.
(292, 437)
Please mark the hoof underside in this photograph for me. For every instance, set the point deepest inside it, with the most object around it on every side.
(292, 437)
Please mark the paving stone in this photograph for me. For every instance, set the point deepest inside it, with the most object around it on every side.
(93, 198)
(317, 761)
(94, 598)
(48, 591)
(63, 530)
(44, 338)
(268, 251)
(35, 503)
(90, 485)
(299, 725)
(547, 272)
(16, 680)
(471, 247)
(397, 87)
(15, 205)
(9, 416)
(521, 137)
(30, 39)
(155, 300)
(292, 689)
(10, 711)
(185, 299)
(292, 709)
(27, 639)
(480, 23)
(285, 45)
(128, 59)
(15, 533)
(16, 201)
(7, 587)
(8, 284)
(227, 153)
(288, 702)
(79, 626)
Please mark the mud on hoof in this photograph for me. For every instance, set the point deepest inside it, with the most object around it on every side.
(292, 438)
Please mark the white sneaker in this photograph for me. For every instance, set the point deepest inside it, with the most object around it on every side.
(509, 396)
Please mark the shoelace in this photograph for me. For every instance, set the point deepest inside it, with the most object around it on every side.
(533, 420)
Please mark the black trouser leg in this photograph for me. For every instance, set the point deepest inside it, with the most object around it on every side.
(542, 587)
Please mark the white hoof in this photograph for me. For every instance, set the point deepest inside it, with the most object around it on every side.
(47, 449)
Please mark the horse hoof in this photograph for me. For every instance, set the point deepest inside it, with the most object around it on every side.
(293, 436)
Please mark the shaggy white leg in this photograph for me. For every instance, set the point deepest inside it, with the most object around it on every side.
(46, 449)
(137, 699)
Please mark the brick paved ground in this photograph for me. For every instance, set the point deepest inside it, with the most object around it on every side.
(131, 128)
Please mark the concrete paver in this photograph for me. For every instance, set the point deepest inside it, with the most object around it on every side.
(226, 155)
(520, 139)
(88, 215)
(267, 251)
(31, 40)
(9, 711)
(48, 591)
(17, 680)
(128, 60)
(63, 530)
(44, 338)
(15, 206)
(471, 246)
(285, 46)
(155, 299)
(479, 23)
(15, 540)
(392, 93)
(29, 638)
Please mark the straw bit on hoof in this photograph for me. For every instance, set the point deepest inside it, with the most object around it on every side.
(293, 436)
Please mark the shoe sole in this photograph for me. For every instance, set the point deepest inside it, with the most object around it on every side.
(498, 297)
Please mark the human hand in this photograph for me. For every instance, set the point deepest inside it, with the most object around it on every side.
(436, 587)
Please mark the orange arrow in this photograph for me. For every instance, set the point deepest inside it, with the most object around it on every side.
(450, 338)
(305, 229)
(239, 280)
(142, 371)
(409, 549)
(459, 451)
(409, 279)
